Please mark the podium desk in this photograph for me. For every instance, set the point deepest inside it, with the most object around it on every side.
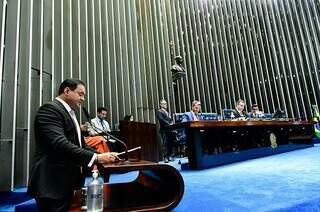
(140, 134)
(241, 140)
(158, 187)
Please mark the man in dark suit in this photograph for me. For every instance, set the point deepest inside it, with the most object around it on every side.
(239, 111)
(193, 115)
(165, 120)
(238, 139)
(61, 153)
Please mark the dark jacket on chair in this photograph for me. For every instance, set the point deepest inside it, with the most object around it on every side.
(238, 115)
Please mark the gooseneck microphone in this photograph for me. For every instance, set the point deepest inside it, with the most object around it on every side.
(86, 113)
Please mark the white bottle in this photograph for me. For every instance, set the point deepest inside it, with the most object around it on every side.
(95, 193)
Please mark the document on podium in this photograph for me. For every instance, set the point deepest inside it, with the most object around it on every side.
(129, 150)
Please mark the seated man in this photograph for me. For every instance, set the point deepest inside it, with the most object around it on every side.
(99, 123)
(255, 112)
(193, 115)
(239, 110)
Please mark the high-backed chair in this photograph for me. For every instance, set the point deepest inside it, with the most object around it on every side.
(180, 135)
(177, 117)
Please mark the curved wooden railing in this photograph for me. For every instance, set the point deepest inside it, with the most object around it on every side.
(158, 187)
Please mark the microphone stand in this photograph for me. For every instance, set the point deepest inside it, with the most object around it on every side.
(105, 134)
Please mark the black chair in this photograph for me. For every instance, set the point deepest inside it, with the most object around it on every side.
(179, 140)
(177, 117)
(279, 114)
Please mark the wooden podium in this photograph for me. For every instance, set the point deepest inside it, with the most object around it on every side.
(141, 134)
(158, 187)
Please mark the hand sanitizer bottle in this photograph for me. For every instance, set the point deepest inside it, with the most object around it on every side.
(95, 193)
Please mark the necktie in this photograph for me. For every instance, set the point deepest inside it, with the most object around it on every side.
(166, 112)
(102, 125)
(76, 124)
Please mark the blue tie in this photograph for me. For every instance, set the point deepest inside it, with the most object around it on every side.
(102, 125)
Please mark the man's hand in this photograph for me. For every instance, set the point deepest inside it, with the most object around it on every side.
(107, 157)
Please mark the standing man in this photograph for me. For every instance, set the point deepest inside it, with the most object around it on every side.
(100, 123)
(165, 120)
(61, 153)
(193, 115)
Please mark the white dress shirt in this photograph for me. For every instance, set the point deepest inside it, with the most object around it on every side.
(76, 124)
(99, 126)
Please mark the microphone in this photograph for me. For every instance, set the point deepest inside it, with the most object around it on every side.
(86, 113)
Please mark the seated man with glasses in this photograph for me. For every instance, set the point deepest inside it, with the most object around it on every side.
(255, 112)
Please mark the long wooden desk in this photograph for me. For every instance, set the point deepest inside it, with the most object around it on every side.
(252, 139)
(158, 187)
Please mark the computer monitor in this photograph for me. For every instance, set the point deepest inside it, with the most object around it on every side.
(267, 116)
(208, 116)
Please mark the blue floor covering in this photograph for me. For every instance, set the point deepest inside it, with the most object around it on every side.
(8, 200)
(284, 182)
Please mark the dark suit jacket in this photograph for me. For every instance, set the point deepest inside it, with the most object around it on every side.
(238, 115)
(56, 169)
(164, 119)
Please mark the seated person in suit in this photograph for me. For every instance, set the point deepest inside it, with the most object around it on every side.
(239, 110)
(255, 112)
(99, 123)
(193, 115)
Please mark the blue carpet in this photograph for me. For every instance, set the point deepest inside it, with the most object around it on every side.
(316, 140)
(8, 200)
(284, 182)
